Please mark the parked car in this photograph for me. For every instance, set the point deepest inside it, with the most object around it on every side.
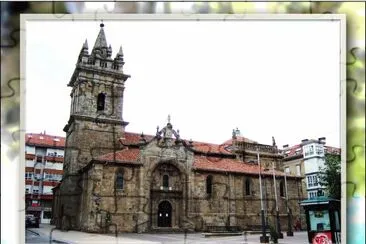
(31, 221)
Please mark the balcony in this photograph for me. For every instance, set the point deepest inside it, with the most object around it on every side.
(54, 159)
(245, 146)
(30, 156)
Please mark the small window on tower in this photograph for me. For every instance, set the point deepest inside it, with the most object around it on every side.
(209, 184)
(247, 187)
(100, 102)
(119, 180)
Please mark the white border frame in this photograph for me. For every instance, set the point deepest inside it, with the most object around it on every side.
(187, 17)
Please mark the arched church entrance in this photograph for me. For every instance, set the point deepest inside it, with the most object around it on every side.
(165, 214)
(166, 196)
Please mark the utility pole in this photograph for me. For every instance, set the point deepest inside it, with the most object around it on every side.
(289, 222)
(263, 238)
(278, 225)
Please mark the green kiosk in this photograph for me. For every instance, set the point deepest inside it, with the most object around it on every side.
(323, 220)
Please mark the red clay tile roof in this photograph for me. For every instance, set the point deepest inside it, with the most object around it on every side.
(220, 164)
(332, 150)
(44, 140)
(230, 165)
(210, 148)
(292, 151)
(133, 138)
(126, 155)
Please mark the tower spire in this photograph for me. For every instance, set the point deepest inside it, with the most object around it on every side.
(120, 52)
(84, 53)
(118, 60)
(85, 45)
(101, 41)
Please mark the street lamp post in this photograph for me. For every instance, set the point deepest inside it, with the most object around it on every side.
(263, 238)
(278, 225)
(289, 215)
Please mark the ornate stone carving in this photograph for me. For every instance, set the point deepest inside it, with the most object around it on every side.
(166, 134)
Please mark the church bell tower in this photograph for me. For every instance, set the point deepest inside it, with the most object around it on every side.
(96, 121)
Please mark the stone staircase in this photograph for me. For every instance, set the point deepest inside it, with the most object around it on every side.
(168, 230)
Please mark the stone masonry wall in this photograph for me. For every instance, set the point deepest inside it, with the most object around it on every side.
(230, 206)
(123, 205)
(88, 140)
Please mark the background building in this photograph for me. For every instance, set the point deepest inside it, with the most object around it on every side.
(306, 159)
(44, 156)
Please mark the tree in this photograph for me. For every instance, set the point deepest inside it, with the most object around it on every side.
(330, 175)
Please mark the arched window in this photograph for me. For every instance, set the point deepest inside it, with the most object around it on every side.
(165, 181)
(100, 102)
(282, 189)
(247, 187)
(209, 184)
(119, 180)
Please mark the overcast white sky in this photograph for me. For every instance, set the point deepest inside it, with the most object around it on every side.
(268, 78)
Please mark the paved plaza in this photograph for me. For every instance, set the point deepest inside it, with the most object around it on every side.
(38, 235)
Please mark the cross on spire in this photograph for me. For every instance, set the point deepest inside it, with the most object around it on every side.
(169, 118)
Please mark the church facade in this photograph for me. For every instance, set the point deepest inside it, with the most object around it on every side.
(118, 181)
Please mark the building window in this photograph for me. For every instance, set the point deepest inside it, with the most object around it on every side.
(26, 190)
(319, 150)
(28, 175)
(282, 188)
(50, 177)
(38, 177)
(312, 181)
(100, 102)
(298, 170)
(35, 191)
(165, 181)
(311, 150)
(119, 181)
(313, 194)
(247, 187)
(209, 184)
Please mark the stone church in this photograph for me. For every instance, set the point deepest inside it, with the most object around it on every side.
(118, 181)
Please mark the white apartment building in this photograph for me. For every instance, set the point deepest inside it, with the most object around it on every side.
(44, 155)
(306, 159)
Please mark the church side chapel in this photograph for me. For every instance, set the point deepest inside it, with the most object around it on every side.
(118, 181)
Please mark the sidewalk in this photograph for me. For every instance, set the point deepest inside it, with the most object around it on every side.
(76, 237)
